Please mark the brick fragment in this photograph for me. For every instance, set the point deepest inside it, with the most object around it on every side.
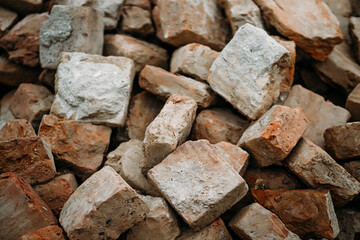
(7, 19)
(136, 21)
(53, 232)
(16, 128)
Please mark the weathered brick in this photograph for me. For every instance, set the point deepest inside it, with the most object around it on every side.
(53, 232)
(16, 128)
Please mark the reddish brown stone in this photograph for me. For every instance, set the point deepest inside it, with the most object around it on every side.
(31, 102)
(53, 232)
(23, 6)
(56, 192)
(144, 107)
(79, 146)
(22, 210)
(353, 168)
(304, 212)
(137, 21)
(16, 128)
(218, 124)
(30, 158)
(23, 40)
(273, 178)
(7, 19)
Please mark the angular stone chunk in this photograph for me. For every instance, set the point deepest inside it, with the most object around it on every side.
(7, 20)
(22, 41)
(126, 160)
(273, 178)
(31, 102)
(22, 210)
(194, 60)
(143, 53)
(79, 146)
(5, 113)
(339, 70)
(103, 206)
(13, 74)
(320, 113)
(16, 128)
(70, 29)
(310, 23)
(198, 182)
(93, 88)
(111, 8)
(168, 130)
(137, 21)
(56, 192)
(144, 107)
(23, 6)
(353, 103)
(288, 79)
(256, 222)
(304, 212)
(248, 71)
(315, 167)
(235, 156)
(30, 158)
(186, 21)
(353, 168)
(218, 124)
(349, 221)
(240, 12)
(355, 35)
(160, 222)
(272, 137)
(215, 231)
(163, 84)
(343, 141)
(53, 232)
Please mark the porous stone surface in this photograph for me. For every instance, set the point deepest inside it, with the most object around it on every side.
(56, 192)
(160, 222)
(272, 137)
(194, 60)
(5, 113)
(67, 31)
(29, 157)
(163, 84)
(103, 206)
(218, 124)
(126, 160)
(13, 74)
(304, 212)
(248, 71)
(353, 168)
(353, 103)
(181, 22)
(320, 113)
(137, 21)
(256, 222)
(143, 53)
(112, 9)
(93, 88)
(22, 41)
(31, 102)
(240, 12)
(309, 23)
(339, 70)
(16, 128)
(349, 223)
(198, 182)
(168, 130)
(236, 157)
(22, 210)
(144, 107)
(355, 35)
(215, 231)
(273, 178)
(315, 167)
(53, 232)
(343, 141)
(7, 19)
(23, 6)
(79, 146)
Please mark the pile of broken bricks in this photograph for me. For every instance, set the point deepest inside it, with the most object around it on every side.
(179, 119)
